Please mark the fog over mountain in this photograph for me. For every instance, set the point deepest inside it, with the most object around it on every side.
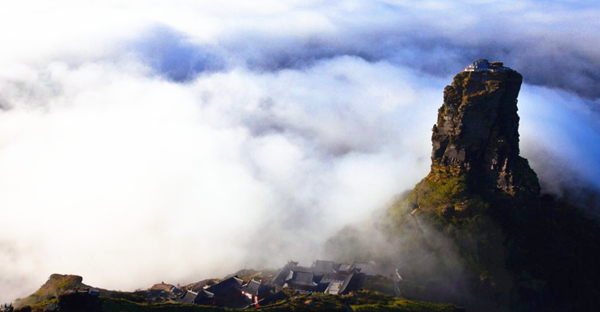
(143, 141)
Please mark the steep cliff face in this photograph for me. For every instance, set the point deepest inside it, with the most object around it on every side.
(480, 205)
(476, 142)
(475, 231)
(477, 134)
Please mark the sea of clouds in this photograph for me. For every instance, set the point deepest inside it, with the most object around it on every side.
(148, 141)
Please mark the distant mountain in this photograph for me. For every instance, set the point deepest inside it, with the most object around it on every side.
(476, 231)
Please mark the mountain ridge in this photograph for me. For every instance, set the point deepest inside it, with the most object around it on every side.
(70, 297)
(477, 231)
(480, 205)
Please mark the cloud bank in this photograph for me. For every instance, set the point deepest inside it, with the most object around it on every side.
(142, 142)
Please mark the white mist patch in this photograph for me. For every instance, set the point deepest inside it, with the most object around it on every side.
(559, 136)
(130, 188)
(39, 32)
(127, 179)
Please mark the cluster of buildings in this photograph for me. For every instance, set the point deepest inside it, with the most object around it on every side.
(231, 292)
(483, 65)
(322, 276)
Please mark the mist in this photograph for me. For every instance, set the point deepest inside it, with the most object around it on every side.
(186, 141)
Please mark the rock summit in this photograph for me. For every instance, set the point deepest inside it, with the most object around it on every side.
(476, 139)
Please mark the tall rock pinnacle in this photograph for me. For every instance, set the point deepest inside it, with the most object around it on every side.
(475, 231)
(476, 135)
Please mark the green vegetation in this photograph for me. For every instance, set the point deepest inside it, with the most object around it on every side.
(121, 305)
(307, 302)
(379, 284)
(521, 255)
(377, 296)
(402, 306)
(434, 193)
(55, 285)
(59, 284)
(40, 306)
(137, 296)
(374, 301)
(359, 301)
(298, 302)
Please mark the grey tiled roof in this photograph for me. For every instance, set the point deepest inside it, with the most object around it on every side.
(302, 278)
(225, 286)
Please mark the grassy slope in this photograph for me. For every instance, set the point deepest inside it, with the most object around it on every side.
(361, 301)
(121, 305)
(120, 302)
(529, 255)
(374, 301)
(56, 284)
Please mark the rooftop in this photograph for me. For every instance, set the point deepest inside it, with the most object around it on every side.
(225, 286)
(483, 65)
(257, 288)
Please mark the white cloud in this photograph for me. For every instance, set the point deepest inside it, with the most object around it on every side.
(161, 141)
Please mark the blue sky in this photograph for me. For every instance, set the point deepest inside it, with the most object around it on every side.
(160, 141)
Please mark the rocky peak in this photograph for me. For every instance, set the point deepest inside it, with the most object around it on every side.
(476, 134)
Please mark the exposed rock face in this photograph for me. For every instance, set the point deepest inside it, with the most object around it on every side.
(475, 230)
(476, 135)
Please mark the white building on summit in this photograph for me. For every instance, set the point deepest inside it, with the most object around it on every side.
(483, 65)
